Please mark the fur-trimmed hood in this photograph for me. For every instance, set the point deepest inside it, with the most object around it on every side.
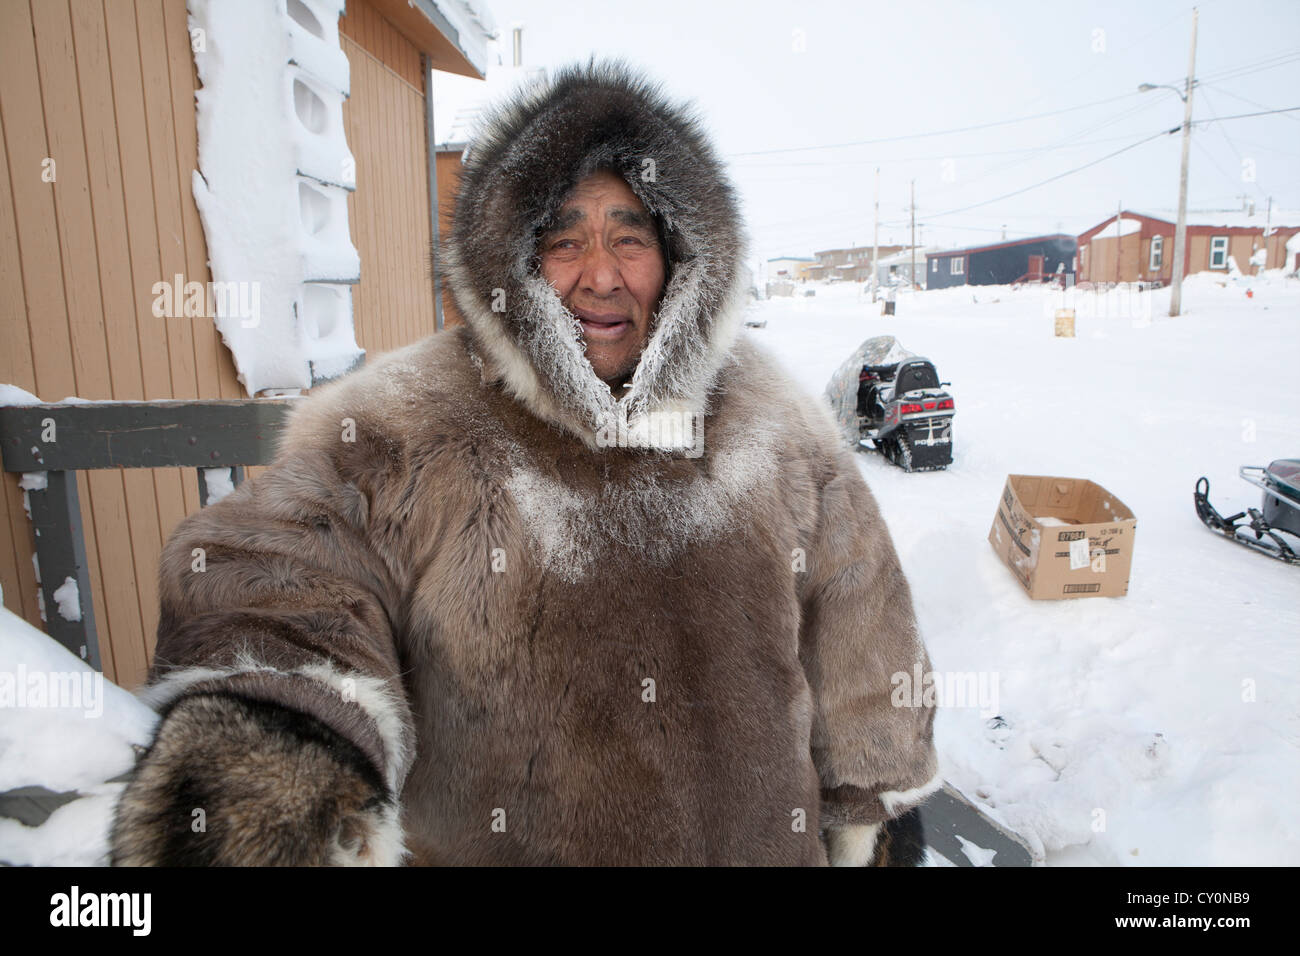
(526, 156)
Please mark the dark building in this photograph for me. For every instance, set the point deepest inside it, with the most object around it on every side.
(1002, 263)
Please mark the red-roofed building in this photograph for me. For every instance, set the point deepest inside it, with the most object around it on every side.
(1140, 248)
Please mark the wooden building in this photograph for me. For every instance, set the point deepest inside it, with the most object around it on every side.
(1134, 247)
(1001, 263)
(98, 134)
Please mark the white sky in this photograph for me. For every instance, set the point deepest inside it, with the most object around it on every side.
(872, 71)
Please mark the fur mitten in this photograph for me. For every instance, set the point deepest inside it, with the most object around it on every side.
(230, 781)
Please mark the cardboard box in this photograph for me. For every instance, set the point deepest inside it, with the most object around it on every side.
(1065, 323)
(1064, 537)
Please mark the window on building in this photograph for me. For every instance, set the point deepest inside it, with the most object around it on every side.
(1157, 253)
(1218, 252)
(934, 265)
(958, 265)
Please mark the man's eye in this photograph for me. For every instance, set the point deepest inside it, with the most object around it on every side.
(563, 243)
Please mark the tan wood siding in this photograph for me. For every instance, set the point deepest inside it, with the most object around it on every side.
(106, 90)
(388, 215)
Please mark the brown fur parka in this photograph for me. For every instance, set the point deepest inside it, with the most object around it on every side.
(509, 619)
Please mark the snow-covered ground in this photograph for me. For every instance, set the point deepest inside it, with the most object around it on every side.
(1158, 728)
(1162, 727)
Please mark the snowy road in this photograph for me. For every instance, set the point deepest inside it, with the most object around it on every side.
(1158, 728)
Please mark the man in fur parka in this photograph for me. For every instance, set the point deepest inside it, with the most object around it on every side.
(586, 580)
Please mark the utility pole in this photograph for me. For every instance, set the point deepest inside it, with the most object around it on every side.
(1119, 237)
(875, 240)
(1268, 231)
(912, 274)
(1180, 234)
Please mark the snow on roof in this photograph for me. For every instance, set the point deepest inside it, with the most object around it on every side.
(1224, 218)
(474, 26)
(1126, 227)
(792, 259)
(1240, 219)
(906, 255)
(966, 250)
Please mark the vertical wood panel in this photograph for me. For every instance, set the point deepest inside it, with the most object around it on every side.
(164, 177)
(385, 192)
(117, 604)
(404, 206)
(17, 576)
(71, 192)
(380, 191)
(144, 489)
(33, 199)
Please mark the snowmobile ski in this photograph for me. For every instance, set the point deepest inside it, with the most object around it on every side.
(1263, 527)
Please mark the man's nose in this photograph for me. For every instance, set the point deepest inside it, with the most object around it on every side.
(600, 271)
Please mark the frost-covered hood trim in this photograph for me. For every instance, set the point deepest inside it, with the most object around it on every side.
(526, 156)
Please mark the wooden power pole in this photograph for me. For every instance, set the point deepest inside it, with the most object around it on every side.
(875, 240)
(912, 277)
(1180, 232)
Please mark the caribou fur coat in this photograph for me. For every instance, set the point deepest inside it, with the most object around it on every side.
(479, 611)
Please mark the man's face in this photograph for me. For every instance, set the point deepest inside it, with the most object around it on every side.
(603, 259)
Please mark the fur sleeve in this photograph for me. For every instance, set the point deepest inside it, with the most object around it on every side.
(284, 594)
(875, 760)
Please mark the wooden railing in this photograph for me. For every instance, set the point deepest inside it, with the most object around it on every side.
(61, 439)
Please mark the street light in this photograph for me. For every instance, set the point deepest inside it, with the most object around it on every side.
(1148, 87)
(1180, 232)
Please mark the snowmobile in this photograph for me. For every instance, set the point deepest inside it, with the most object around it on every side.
(889, 398)
(1279, 511)
(905, 413)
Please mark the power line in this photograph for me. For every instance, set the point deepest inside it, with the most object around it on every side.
(1235, 96)
(933, 156)
(1217, 119)
(1052, 179)
(1231, 145)
(941, 132)
(1244, 69)
(1002, 167)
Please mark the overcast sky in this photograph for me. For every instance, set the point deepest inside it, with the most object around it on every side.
(783, 85)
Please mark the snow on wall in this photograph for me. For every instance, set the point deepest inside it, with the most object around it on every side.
(68, 597)
(274, 174)
(218, 483)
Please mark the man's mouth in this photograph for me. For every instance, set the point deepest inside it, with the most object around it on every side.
(602, 326)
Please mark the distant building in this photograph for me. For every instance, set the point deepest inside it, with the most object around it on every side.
(852, 264)
(1140, 248)
(1001, 263)
(789, 268)
(896, 269)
